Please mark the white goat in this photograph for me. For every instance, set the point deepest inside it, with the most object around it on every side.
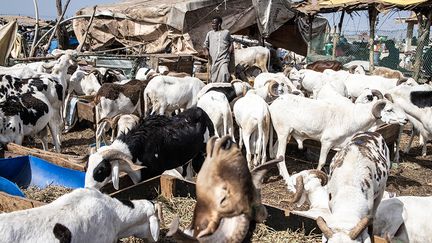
(253, 118)
(358, 176)
(84, 215)
(166, 94)
(217, 107)
(331, 124)
(404, 219)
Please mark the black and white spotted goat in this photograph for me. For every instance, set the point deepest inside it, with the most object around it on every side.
(156, 144)
(358, 176)
(84, 215)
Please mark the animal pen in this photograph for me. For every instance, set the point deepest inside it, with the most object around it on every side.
(368, 45)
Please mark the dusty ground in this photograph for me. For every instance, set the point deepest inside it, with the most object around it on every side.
(412, 176)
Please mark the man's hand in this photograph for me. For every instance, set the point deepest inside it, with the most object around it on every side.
(206, 52)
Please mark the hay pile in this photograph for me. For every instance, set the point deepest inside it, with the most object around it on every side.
(183, 207)
(46, 195)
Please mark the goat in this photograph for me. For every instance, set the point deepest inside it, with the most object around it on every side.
(388, 73)
(113, 99)
(235, 89)
(217, 107)
(228, 197)
(404, 219)
(253, 118)
(263, 78)
(331, 124)
(358, 176)
(166, 94)
(157, 143)
(121, 124)
(84, 215)
(322, 65)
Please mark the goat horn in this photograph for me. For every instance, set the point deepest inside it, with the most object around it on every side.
(352, 68)
(299, 190)
(401, 81)
(377, 93)
(177, 234)
(230, 229)
(321, 175)
(259, 172)
(361, 225)
(113, 154)
(389, 97)
(328, 233)
(158, 209)
(236, 81)
(377, 108)
(271, 85)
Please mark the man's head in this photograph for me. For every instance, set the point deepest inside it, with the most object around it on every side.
(216, 23)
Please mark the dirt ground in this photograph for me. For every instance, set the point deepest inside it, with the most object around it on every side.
(412, 176)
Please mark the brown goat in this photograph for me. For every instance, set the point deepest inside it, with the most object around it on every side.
(228, 196)
(322, 65)
(388, 73)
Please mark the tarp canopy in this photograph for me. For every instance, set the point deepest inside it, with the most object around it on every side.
(7, 40)
(322, 6)
(153, 26)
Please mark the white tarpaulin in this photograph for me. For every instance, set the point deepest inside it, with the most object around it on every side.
(7, 40)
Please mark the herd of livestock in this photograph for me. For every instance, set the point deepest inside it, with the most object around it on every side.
(168, 122)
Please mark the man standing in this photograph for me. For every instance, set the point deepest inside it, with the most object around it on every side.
(218, 47)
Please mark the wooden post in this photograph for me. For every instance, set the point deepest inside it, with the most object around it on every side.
(372, 20)
(36, 32)
(79, 48)
(309, 49)
(337, 35)
(424, 26)
(168, 185)
(58, 31)
(409, 35)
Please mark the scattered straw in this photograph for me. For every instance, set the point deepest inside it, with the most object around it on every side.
(184, 207)
(47, 195)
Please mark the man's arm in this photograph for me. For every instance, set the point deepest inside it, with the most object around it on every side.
(206, 45)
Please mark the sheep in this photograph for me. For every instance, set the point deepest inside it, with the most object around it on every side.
(217, 107)
(121, 124)
(113, 99)
(404, 219)
(321, 65)
(388, 73)
(415, 102)
(263, 78)
(166, 94)
(253, 118)
(235, 89)
(331, 124)
(228, 197)
(84, 215)
(156, 144)
(357, 179)
(25, 114)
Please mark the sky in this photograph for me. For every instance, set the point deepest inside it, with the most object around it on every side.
(354, 23)
(47, 8)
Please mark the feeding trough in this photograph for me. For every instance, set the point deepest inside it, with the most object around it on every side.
(25, 171)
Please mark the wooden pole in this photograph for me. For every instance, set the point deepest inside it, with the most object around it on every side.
(36, 32)
(79, 48)
(424, 31)
(372, 20)
(57, 30)
(309, 50)
(337, 35)
(409, 36)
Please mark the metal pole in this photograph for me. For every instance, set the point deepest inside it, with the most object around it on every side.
(309, 49)
(36, 28)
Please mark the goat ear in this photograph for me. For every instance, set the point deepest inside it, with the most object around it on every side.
(259, 172)
(115, 174)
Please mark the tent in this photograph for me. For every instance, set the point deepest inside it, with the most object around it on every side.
(180, 26)
(8, 34)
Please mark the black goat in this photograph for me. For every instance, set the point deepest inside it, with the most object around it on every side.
(156, 144)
